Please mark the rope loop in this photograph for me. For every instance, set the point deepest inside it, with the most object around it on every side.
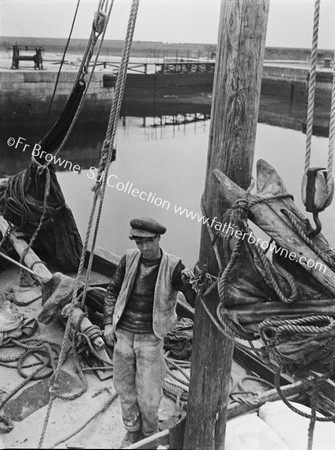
(300, 345)
(317, 381)
(272, 329)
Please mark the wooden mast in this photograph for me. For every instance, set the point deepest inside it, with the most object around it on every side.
(236, 95)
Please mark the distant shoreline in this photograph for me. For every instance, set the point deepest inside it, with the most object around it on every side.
(153, 49)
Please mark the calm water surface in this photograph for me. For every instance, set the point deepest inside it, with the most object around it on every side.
(169, 163)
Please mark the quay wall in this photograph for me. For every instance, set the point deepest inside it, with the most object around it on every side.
(25, 95)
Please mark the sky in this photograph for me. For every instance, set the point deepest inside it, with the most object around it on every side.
(290, 22)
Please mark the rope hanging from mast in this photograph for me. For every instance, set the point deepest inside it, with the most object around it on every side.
(312, 85)
(331, 135)
(317, 183)
(99, 192)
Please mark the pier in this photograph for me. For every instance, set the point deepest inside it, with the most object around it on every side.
(165, 88)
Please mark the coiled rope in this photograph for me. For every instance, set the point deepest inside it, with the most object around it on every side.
(45, 350)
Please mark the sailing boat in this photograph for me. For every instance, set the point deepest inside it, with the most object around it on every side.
(80, 406)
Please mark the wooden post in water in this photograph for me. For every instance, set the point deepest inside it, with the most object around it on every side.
(236, 95)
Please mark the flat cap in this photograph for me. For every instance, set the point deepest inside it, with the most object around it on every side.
(145, 227)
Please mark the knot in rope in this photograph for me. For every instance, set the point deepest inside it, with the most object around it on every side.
(237, 215)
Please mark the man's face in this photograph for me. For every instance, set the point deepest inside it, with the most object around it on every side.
(149, 247)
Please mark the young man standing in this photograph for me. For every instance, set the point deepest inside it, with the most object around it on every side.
(140, 309)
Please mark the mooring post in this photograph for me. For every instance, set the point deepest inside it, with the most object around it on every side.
(234, 114)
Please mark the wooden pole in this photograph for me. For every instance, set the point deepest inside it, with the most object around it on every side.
(31, 260)
(43, 273)
(236, 95)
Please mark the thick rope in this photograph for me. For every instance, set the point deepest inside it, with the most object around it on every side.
(45, 347)
(176, 366)
(270, 273)
(6, 235)
(84, 69)
(37, 230)
(223, 278)
(310, 108)
(111, 130)
(331, 137)
(100, 411)
(293, 325)
(112, 127)
(174, 391)
(173, 375)
(293, 408)
(312, 85)
(265, 262)
(245, 204)
(228, 331)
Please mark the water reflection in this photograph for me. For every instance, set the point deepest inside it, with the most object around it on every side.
(169, 161)
(85, 142)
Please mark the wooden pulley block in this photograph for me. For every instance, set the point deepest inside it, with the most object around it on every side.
(314, 190)
(99, 21)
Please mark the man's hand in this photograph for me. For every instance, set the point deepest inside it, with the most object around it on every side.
(109, 334)
(187, 273)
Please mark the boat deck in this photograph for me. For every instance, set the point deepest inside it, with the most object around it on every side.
(28, 407)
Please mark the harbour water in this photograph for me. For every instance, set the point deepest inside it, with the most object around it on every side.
(159, 172)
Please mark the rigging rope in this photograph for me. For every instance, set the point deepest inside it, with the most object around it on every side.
(331, 135)
(37, 230)
(110, 136)
(312, 85)
(63, 59)
(111, 131)
(99, 27)
(318, 183)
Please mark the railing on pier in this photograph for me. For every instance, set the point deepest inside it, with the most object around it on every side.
(164, 67)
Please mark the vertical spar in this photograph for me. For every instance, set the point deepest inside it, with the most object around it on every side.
(236, 95)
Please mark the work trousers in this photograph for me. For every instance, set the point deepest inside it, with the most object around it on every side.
(139, 371)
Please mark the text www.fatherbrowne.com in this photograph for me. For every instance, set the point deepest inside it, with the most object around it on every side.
(152, 198)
